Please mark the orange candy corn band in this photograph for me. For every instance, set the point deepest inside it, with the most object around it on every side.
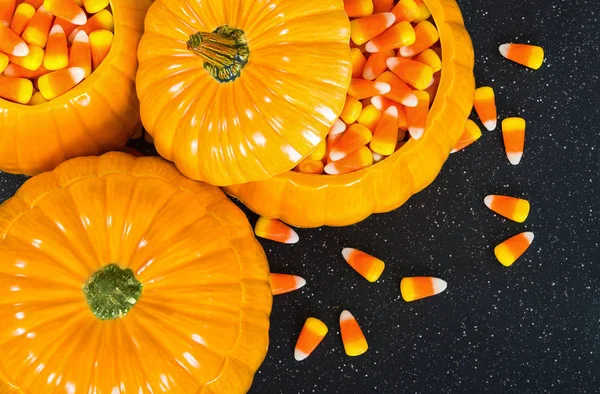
(358, 8)
(513, 134)
(382, 6)
(417, 116)
(512, 208)
(510, 250)
(418, 287)
(400, 35)
(376, 64)
(353, 338)
(386, 135)
(15, 89)
(22, 17)
(275, 230)
(531, 56)
(485, 106)
(368, 27)
(471, 134)
(284, 283)
(367, 266)
(357, 160)
(355, 137)
(313, 332)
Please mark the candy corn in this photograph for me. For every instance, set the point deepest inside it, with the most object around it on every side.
(353, 338)
(351, 110)
(275, 230)
(424, 12)
(284, 283)
(386, 135)
(417, 116)
(471, 134)
(13, 70)
(382, 6)
(3, 62)
(337, 128)
(313, 332)
(36, 32)
(383, 103)
(361, 88)
(399, 91)
(375, 65)
(485, 106)
(81, 55)
(22, 17)
(11, 44)
(355, 137)
(430, 58)
(54, 84)
(100, 43)
(425, 36)
(358, 62)
(67, 26)
(319, 151)
(366, 265)
(531, 56)
(93, 6)
(510, 250)
(358, 8)
(369, 117)
(512, 208)
(37, 99)
(309, 166)
(400, 35)
(103, 20)
(67, 10)
(418, 287)
(412, 72)
(32, 61)
(7, 8)
(366, 28)
(14, 89)
(513, 133)
(357, 160)
(57, 52)
(406, 10)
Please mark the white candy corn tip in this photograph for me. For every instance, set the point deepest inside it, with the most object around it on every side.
(371, 47)
(439, 285)
(77, 74)
(488, 201)
(514, 157)
(368, 74)
(57, 29)
(20, 50)
(299, 355)
(383, 87)
(416, 132)
(504, 49)
(337, 128)
(345, 316)
(336, 155)
(80, 19)
(529, 236)
(392, 62)
(390, 18)
(347, 252)
(331, 169)
(377, 157)
(490, 125)
(300, 282)
(10, 71)
(378, 102)
(81, 36)
(405, 52)
(293, 238)
(392, 111)
(411, 100)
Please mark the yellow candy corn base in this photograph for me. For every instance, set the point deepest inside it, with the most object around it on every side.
(307, 200)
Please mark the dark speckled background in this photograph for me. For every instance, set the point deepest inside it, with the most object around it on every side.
(530, 328)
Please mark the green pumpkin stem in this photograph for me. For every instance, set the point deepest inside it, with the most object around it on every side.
(112, 291)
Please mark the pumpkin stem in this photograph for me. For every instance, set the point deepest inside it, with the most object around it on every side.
(225, 52)
(112, 291)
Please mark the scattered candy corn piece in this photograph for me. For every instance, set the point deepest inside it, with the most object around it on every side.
(3, 62)
(309, 166)
(275, 230)
(57, 52)
(399, 91)
(36, 32)
(357, 160)
(353, 338)
(431, 58)
(22, 17)
(369, 117)
(351, 111)
(386, 135)
(361, 88)
(376, 65)
(471, 134)
(67, 10)
(284, 283)
(100, 43)
(11, 44)
(14, 89)
(365, 28)
(355, 137)
(368, 266)
(485, 106)
(513, 133)
(417, 116)
(412, 72)
(382, 6)
(531, 56)
(93, 6)
(400, 35)
(425, 36)
(37, 99)
(310, 337)
(358, 8)
(510, 250)
(512, 208)
(358, 62)
(418, 287)
(81, 55)
(406, 10)
(54, 84)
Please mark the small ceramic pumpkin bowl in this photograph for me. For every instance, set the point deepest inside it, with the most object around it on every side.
(96, 116)
(306, 200)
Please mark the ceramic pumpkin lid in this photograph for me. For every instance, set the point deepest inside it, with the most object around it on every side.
(120, 275)
(240, 90)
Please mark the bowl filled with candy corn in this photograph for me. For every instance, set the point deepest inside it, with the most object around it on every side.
(67, 70)
(406, 110)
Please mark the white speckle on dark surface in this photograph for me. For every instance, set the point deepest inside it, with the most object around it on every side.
(533, 327)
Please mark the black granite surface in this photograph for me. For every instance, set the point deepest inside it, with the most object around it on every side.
(530, 328)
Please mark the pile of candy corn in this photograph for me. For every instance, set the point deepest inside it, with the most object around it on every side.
(47, 47)
(396, 66)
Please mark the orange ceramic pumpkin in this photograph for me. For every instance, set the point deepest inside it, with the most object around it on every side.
(239, 90)
(98, 115)
(306, 200)
(120, 275)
